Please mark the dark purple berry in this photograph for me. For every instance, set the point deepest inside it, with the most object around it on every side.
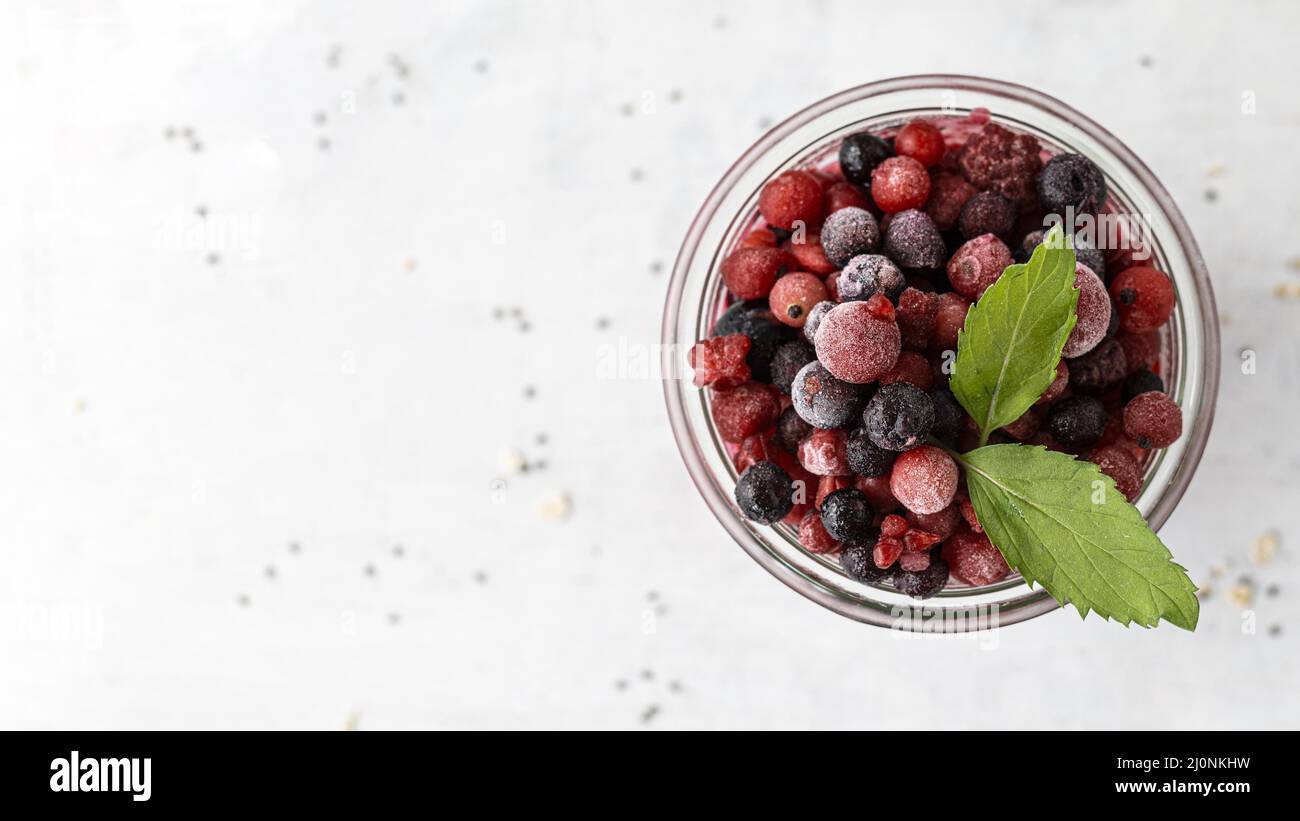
(865, 457)
(791, 429)
(789, 358)
(912, 241)
(1141, 382)
(1077, 421)
(870, 274)
(948, 416)
(847, 233)
(922, 584)
(1071, 181)
(824, 401)
(860, 154)
(765, 334)
(856, 559)
(764, 493)
(988, 212)
(1098, 369)
(814, 320)
(846, 514)
(899, 416)
(1084, 252)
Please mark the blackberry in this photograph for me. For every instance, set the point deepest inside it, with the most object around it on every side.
(1071, 181)
(865, 457)
(764, 493)
(847, 233)
(814, 320)
(922, 584)
(869, 274)
(855, 558)
(791, 429)
(824, 401)
(789, 358)
(912, 240)
(899, 416)
(765, 334)
(948, 416)
(1000, 160)
(1140, 382)
(988, 212)
(860, 154)
(1077, 421)
(1098, 369)
(846, 514)
(1084, 251)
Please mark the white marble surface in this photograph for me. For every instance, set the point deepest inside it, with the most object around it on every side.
(171, 424)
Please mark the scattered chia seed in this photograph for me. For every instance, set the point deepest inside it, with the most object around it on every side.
(323, 144)
(637, 175)
(602, 323)
(649, 713)
(369, 570)
(295, 548)
(481, 66)
(525, 327)
(399, 551)
(394, 618)
(243, 600)
(1275, 630)
(1211, 195)
(647, 674)
(1145, 61)
(480, 577)
(270, 572)
(1272, 591)
(530, 392)
(214, 258)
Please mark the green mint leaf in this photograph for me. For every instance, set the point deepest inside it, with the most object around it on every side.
(1008, 350)
(1062, 523)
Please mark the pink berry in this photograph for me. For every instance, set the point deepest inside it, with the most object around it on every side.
(973, 559)
(949, 193)
(745, 410)
(1117, 462)
(720, 362)
(1092, 310)
(813, 535)
(949, 318)
(795, 196)
(915, 562)
(977, 264)
(823, 454)
(749, 272)
(794, 295)
(859, 342)
(1153, 420)
(1144, 298)
(942, 524)
(911, 368)
(924, 479)
(922, 141)
(900, 183)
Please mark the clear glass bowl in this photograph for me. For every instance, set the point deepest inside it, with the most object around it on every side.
(1189, 363)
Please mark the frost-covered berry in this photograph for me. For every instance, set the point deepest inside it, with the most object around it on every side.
(865, 457)
(1153, 420)
(823, 400)
(808, 254)
(1057, 388)
(791, 429)
(814, 320)
(915, 315)
(847, 514)
(912, 368)
(1144, 298)
(844, 194)
(794, 295)
(949, 318)
(1092, 310)
(1077, 421)
(900, 183)
(753, 320)
(789, 359)
(924, 479)
(860, 154)
(847, 233)
(1117, 462)
(869, 274)
(720, 361)
(764, 493)
(973, 559)
(857, 561)
(1099, 369)
(1071, 181)
(922, 141)
(899, 416)
(988, 212)
(977, 264)
(859, 341)
(913, 241)
(1142, 381)
(793, 197)
(822, 453)
(750, 272)
(996, 159)
(923, 584)
(949, 193)
(745, 410)
(813, 535)
(942, 524)
(1141, 350)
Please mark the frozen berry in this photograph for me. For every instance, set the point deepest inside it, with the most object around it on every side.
(1142, 381)
(922, 141)
(894, 526)
(791, 429)
(760, 238)
(754, 321)
(1084, 252)
(900, 183)
(973, 559)
(942, 524)
(845, 195)
(887, 551)
(813, 535)
(1141, 350)
(859, 341)
(912, 368)
(1024, 428)
(857, 560)
(869, 274)
(949, 193)
(917, 540)
(1077, 421)
(809, 256)
(876, 488)
(822, 453)
(912, 561)
(865, 457)
(899, 416)
(967, 511)
(793, 197)
(1144, 298)
(1098, 369)
(1117, 462)
(860, 154)
(923, 584)
(949, 318)
(847, 514)
(924, 479)
(789, 359)
(793, 297)
(1071, 181)
(948, 416)
(750, 273)
(1057, 388)
(815, 316)
(720, 362)
(823, 400)
(988, 212)
(763, 493)
(826, 485)
(915, 316)
(998, 160)
(744, 411)
(1153, 420)
(912, 241)
(847, 233)
(977, 264)
(1092, 310)
(753, 449)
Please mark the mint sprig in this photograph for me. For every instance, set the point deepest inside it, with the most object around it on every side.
(1059, 521)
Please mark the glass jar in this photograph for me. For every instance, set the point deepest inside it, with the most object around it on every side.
(1190, 346)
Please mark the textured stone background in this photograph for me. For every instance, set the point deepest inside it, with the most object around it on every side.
(251, 258)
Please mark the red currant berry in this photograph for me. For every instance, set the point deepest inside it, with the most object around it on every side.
(844, 195)
(793, 297)
(1144, 298)
(793, 197)
(1117, 462)
(912, 368)
(809, 256)
(823, 453)
(924, 479)
(898, 184)
(1153, 420)
(973, 559)
(749, 272)
(922, 141)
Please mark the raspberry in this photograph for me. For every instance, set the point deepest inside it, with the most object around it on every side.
(793, 197)
(1144, 298)
(815, 316)
(894, 526)
(921, 141)
(900, 183)
(912, 241)
(865, 457)
(845, 195)
(791, 429)
(1117, 462)
(847, 514)
(1099, 369)
(1153, 419)
(948, 320)
(822, 400)
(988, 212)
(857, 561)
(949, 418)
(917, 540)
(859, 341)
(1141, 350)
(754, 321)
(1071, 181)
(913, 562)
(876, 489)
(886, 552)
(923, 584)
(924, 479)
(860, 154)
(916, 313)
(1077, 421)
(750, 272)
(911, 368)
(827, 485)
(763, 493)
(1093, 311)
(744, 411)
(793, 297)
(788, 360)
(948, 195)
(809, 256)
(822, 453)
(942, 524)
(720, 362)
(1057, 387)
(751, 451)
(899, 416)
(1084, 252)
(813, 535)
(869, 274)
(847, 233)
(1141, 382)
(974, 560)
(1024, 428)
(977, 264)
(997, 160)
